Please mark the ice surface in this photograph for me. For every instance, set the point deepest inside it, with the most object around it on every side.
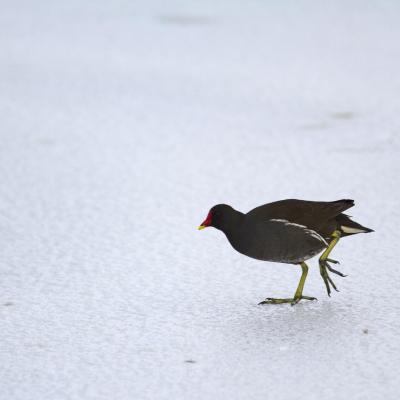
(121, 124)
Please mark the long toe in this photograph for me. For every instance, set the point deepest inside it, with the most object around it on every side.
(297, 299)
(334, 271)
(332, 261)
(309, 298)
(325, 279)
(331, 282)
(271, 300)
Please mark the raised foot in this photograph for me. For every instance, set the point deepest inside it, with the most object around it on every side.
(292, 301)
(323, 267)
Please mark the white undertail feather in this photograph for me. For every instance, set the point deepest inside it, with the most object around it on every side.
(306, 230)
(347, 229)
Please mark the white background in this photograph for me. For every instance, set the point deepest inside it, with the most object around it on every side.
(121, 124)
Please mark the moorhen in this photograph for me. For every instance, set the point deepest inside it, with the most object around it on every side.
(288, 231)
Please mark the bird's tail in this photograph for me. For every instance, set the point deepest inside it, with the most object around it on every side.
(350, 227)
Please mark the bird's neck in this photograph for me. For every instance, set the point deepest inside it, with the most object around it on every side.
(233, 223)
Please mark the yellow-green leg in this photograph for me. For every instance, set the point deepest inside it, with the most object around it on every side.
(298, 294)
(324, 263)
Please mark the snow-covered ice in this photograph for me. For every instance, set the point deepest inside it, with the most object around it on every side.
(121, 124)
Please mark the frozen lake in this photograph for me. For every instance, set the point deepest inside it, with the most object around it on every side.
(121, 124)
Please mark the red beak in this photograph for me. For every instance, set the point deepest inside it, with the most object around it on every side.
(206, 222)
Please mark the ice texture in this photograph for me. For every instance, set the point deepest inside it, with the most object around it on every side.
(121, 124)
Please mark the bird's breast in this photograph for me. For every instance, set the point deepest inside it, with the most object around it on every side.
(275, 243)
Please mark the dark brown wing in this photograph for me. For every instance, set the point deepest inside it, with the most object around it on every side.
(316, 215)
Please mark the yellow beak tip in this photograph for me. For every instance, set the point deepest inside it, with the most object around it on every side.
(201, 227)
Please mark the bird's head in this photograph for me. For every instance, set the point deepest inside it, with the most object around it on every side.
(218, 217)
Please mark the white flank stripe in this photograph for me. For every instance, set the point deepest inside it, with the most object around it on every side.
(311, 232)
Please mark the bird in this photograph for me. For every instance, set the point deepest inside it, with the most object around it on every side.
(288, 231)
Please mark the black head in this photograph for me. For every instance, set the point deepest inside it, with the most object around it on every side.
(218, 217)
